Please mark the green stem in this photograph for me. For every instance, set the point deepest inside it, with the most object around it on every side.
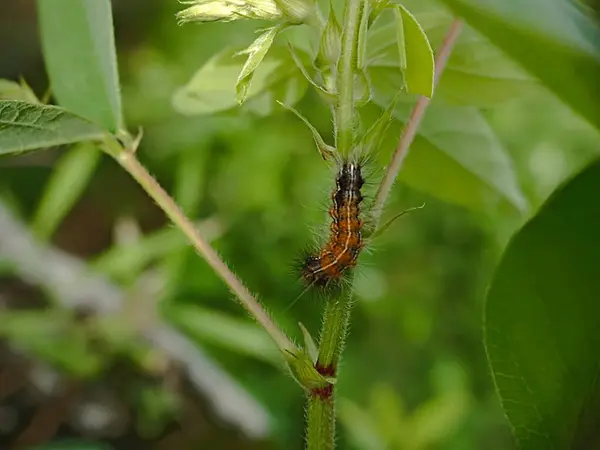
(344, 114)
(320, 433)
(129, 162)
(321, 424)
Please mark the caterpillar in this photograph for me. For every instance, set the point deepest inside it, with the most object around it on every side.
(341, 251)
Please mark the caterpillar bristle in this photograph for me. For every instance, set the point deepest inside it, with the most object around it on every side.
(328, 267)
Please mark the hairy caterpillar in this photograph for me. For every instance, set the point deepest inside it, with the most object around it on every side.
(345, 242)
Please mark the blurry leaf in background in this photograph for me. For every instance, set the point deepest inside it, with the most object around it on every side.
(157, 407)
(553, 40)
(457, 157)
(26, 126)
(477, 73)
(127, 262)
(72, 174)
(54, 337)
(542, 325)
(233, 333)
(387, 424)
(213, 88)
(359, 425)
(79, 50)
(9, 90)
(73, 444)
(415, 54)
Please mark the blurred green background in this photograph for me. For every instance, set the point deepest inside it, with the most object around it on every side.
(414, 374)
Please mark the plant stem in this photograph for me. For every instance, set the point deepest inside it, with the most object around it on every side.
(344, 114)
(129, 162)
(320, 410)
(412, 125)
(320, 416)
(320, 433)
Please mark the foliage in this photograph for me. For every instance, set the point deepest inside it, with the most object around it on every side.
(542, 321)
(245, 169)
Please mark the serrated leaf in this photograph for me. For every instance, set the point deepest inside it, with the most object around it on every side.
(256, 53)
(419, 65)
(553, 40)
(79, 50)
(25, 126)
(212, 88)
(71, 175)
(542, 321)
(477, 73)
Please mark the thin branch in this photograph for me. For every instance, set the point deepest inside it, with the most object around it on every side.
(412, 125)
(129, 162)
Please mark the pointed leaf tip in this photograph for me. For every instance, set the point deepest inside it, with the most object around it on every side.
(256, 52)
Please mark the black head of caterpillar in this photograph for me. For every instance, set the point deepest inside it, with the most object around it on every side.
(329, 265)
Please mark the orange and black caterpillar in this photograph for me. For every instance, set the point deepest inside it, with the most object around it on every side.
(341, 251)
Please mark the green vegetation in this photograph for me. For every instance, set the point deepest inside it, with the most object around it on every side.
(486, 112)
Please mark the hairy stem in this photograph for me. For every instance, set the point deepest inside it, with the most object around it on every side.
(321, 408)
(344, 112)
(412, 125)
(320, 433)
(129, 162)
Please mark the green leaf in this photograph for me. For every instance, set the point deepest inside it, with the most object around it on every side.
(329, 43)
(303, 370)
(26, 126)
(477, 73)
(419, 65)
(256, 53)
(542, 321)
(9, 90)
(128, 261)
(79, 49)
(552, 39)
(69, 179)
(309, 344)
(212, 88)
(53, 336)
(457, 157)
(400, 38)
(236, 334)
(328, 96)
(374, 136)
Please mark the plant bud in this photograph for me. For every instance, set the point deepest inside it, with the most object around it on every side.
(228, 10)
(329, 47)
(296, 11)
